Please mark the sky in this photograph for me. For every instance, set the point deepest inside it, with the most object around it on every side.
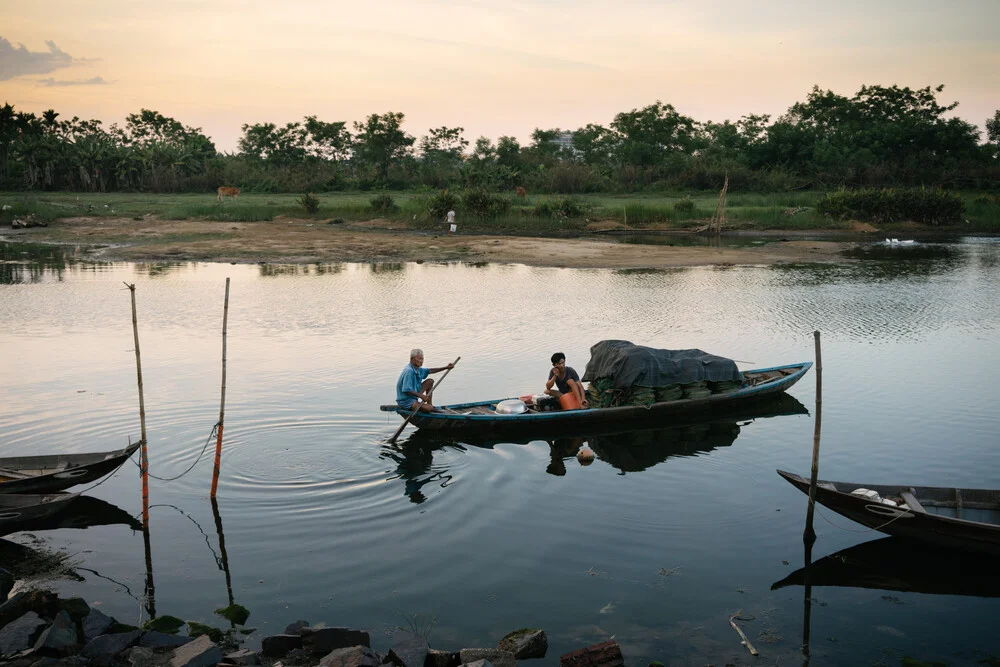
(492, 67)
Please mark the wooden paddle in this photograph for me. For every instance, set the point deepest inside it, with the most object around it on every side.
(416, 407)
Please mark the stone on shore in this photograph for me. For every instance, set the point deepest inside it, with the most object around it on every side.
(6, 584)
(525, 644)
(96, 624)
(161, 640)
(202, 652)
(59, 639)
(479, 663)
(243, 657)
(277, 646)
(353, 656)
(320, 641)
(409, 652)
(436, 658)
(103, 650)
(296, 627)
(494, 655)
(21, 634)
(605, 654)
(77, 608)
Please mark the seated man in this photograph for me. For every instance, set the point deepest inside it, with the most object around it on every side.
(565, 379)
(413, 385)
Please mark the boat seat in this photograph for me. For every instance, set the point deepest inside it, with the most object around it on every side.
(912, 501)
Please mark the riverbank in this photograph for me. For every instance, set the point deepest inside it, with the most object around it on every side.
(304, 241)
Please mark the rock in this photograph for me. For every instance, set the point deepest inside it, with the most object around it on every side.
(297, 656)
(437, 658)
(103, 650)
(161, 640)
(353, 656)
(605, 654)
(21, 634)
(68, 661)
(409, 652)
(202, 652)
(59, 639)
(6, 583)
(77, 608)
(480, 663)
(142, 656)
(525, 644)
(276, 646)
(243, 657)
(95, 624)
(493, 655)
(320, 641)
(43, 603)
(296, 627)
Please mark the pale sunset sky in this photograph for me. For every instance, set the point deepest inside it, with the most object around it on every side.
(491, 67)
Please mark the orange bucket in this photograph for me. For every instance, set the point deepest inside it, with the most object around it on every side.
(569, 402)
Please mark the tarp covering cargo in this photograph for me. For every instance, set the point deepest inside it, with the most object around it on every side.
(637, 365)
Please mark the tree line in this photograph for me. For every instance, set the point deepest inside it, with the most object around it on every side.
(881, 136)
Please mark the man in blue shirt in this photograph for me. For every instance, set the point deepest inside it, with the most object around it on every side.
(413, 384)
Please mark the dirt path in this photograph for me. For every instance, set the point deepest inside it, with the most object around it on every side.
(305, 241)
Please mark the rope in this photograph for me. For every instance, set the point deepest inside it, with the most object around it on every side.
(211, 435)
(866, 530)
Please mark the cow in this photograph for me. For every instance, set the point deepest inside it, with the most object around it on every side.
(520, 192)
(228, 192)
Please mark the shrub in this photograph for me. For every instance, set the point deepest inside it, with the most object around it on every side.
(639, 214)
(565, 207)
(482, 203)
(936, 207)
(383, 203)
(438, 205)
(685, 206)
(309, 203)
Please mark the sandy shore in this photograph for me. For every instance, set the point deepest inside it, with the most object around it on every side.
(306, 241)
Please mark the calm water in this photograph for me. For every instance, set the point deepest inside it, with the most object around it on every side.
(657, 543)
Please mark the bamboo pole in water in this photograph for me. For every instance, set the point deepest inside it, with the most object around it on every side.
(143, 453)
(222, 405)
(809, 536)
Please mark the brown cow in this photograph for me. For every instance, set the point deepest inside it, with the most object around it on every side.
(520, 192)
(228, 192)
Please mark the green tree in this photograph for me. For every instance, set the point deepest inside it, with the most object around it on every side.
(327, 141)
(647, 136)
(380, 141)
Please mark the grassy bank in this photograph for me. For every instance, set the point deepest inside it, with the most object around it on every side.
(530, 215)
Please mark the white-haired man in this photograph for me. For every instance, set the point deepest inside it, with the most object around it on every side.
(413, 384)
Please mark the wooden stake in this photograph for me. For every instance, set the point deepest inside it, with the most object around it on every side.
(809, 536)
(222, 405)
(719, 217)
(143, 453)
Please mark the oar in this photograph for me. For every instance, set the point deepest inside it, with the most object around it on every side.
(416, 408)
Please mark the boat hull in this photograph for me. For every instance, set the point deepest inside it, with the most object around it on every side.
(48, 474)
(561, 421)
(945, 531)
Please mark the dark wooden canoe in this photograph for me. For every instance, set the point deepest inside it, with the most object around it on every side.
(904, 565)
(19, 510)
(967, 519)
(761, 384)
(45, 474)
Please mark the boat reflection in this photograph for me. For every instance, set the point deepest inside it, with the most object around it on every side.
(82, 512)
(898, 564)
(626, 450)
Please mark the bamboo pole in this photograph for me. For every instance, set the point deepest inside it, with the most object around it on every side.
(150, 588)
(224, 559)
(143, 453)
(809, 536)
(222, 405)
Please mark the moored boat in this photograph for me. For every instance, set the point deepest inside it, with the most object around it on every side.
(967, 519)
(758, 385)
(55, 472)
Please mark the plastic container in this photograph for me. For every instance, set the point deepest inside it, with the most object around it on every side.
(528, 400)
(512, 406)
(569, 402)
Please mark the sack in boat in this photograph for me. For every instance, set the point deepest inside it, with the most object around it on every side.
(725, 386)
(696, 390)
(672, 392)
(640, 396)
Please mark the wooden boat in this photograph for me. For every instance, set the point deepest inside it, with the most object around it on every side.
(760, 384)
(967, 519)
(45, 474)
(20, 510)
(900, 564)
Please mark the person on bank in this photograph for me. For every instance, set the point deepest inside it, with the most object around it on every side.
(565, 379)
(413, 384)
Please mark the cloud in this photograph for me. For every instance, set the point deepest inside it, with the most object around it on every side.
(96, 81)
(19, 61)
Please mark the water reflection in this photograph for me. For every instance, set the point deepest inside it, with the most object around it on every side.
(629, 451)
(898, 564)
(84, 512)
(25, 263)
